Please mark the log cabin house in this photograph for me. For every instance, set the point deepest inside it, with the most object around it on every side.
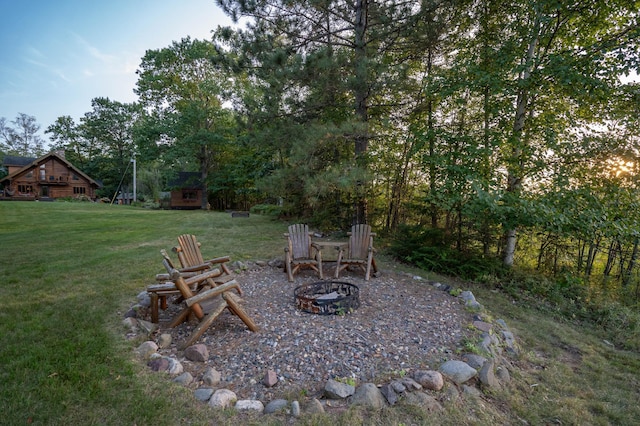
(186, 191)
(46, 178)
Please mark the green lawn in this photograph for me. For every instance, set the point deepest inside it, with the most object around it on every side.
(70, 270)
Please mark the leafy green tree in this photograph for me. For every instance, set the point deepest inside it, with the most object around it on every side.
(20, 136)
(182, 87)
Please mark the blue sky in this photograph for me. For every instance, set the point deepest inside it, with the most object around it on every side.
(56, 56)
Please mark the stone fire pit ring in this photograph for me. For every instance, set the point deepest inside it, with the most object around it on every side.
(327, 297)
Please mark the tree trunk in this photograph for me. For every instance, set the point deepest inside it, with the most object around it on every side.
(361, 95)
(515, 166)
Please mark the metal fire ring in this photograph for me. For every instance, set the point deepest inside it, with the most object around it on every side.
(327, 297)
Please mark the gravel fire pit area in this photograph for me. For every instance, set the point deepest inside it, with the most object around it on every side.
(401, 323)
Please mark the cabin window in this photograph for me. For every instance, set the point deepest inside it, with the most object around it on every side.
(79, 190)
(75, 177)
(189, 195)
(25, 189)
(43, 173)
(29, 174)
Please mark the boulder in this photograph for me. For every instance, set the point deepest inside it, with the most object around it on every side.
(338, 390)
(222, 398)
(458, 371)
(197, 353)
(368, 395)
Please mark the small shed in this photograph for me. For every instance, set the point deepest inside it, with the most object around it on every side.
(186, 191)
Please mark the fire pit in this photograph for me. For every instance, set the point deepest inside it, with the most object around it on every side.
(327, 297)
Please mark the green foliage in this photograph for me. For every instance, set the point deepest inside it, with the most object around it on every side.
(430, 249)
(267, 210)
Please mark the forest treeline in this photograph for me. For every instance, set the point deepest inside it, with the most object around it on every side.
(479, 134)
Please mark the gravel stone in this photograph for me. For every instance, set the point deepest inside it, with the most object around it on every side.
(401, 323)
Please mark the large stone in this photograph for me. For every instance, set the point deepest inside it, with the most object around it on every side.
(458, 371)
(389, 393)
(175, 367)
(411, 384)
(424, 401)
(276, 405)
(474, 361)
(368, 395)
(503, 374)
(144, 299)
(158, 364)
(164, 340)
(429, 379)
(184, 379)
(203, 394)
(338, 390)
(147, 327)
(197, 353)
(223, 398)
(314, 407)
(510, 342)
(146, 349)
(211, 377)
(486, 375)
(250, 405)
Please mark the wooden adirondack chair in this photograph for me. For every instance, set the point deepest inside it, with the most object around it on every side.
(207, 304)
(359, 251)
(190, 257)
(301, 252)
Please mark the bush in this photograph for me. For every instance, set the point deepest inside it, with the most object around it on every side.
(267, 210)
(429, 249)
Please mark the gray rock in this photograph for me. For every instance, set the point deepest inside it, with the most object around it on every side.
(295, 409)
(389, 393)
(314, 407)
(164, 340)
(203, 394)
(197, 353)
(222, 398)
(130, 324)
(175, 367)
(261, 263)
(184, 379)
(429, 379)
(451, 394)
(368, 395)
(146, 349)
(474, 361)
(147, 327)
(470, 301)
(276, 405)
(398, 386)
(510, 342)
(486, 375)
(249, 405)
(211, 376)
(424, 401)
(144, 299)
(503, 374)
(482, 326)
(458, 371)
(502, 324)
(470, 391)
(337, 390)
(411, 384)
